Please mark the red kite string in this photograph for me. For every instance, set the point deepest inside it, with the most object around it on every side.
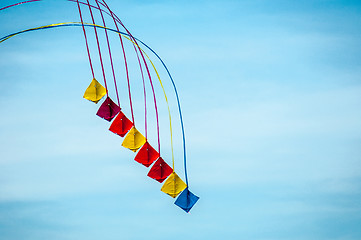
(110, 53)
(86, 40)
(99, 51)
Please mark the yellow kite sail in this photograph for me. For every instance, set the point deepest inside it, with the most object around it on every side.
(173, 185)
(95, 91)
(134, 140)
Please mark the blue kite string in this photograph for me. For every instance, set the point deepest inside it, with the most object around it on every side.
(159, 58)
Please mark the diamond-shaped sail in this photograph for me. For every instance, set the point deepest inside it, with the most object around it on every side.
(133, 140)
(121, 125)
(173, 185)
(108, 110)
(186, 200)
(95, 91)
(160, 170)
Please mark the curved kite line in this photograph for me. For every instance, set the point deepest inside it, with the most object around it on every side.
(133, 140)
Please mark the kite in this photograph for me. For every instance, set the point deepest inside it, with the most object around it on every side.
(111, 108)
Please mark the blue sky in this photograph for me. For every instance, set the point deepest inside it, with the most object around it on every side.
(271, 96)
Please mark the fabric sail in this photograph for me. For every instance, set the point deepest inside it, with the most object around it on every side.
(95, 91)
(173, 185)
(186, 200)
(133, 140)
(146, 155)
(121, 125)
(108, 110)
(160, 170)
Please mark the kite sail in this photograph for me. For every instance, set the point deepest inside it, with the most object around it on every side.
(110, 109)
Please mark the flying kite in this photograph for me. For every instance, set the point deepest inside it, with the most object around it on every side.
(110, 110)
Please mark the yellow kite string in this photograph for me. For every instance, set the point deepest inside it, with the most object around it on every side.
(37, 28)
(160, 81)
(165, 96)
(166, 99)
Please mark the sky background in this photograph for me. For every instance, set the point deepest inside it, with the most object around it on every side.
(271, 96)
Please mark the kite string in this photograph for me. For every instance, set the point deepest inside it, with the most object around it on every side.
(86, 39)
(92, 25)
(176, 92)
(165, 96)
(99, 51)
(146, 66)
(179, 110)
(166, 99)
(125, 63)
(145, 97)
(115, 19)
(140, 66)
(110, 52)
